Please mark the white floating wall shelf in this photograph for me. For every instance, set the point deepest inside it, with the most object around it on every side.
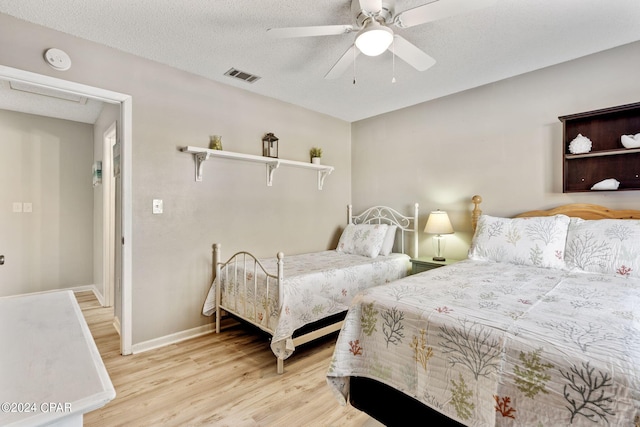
(202, 154)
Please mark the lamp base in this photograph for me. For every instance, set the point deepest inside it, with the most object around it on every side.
(439, 258)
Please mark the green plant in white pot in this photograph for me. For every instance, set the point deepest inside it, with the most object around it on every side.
(315, 154)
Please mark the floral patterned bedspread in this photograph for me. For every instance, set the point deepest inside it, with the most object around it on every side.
(496, 344)
(316, 285)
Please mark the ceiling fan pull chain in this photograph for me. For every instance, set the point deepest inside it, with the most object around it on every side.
(354, 65)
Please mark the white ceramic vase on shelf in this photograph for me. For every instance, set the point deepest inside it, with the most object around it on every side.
(315, 160)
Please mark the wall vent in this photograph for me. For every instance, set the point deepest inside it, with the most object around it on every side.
(249, 78)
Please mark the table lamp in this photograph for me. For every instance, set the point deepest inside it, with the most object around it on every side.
(438, 223)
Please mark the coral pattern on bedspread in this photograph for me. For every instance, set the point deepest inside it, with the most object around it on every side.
(497, 344)
(316, 285)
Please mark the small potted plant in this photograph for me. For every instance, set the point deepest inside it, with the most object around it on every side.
(315, 154)
(215, 142)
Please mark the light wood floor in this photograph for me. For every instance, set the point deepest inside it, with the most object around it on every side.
(226, 379)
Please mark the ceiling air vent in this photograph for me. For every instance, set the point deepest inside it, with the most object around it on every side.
(249, 78)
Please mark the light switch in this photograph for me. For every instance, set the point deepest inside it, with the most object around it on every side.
(17, 207)
(157, 206)
(27, 207)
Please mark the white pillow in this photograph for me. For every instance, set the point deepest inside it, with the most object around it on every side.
(538, 241)
(362, 239)
(609, 246)
(389, 239)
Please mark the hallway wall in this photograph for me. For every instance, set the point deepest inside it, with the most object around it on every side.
(45, 162)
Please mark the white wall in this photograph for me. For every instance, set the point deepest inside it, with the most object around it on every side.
(502, 141)
(45, 162)
(171, 109)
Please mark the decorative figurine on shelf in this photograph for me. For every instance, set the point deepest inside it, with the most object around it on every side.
(606, 184)
(316, 154)
(580, 144)
(270, 145)
(630, 141)
(215, 142)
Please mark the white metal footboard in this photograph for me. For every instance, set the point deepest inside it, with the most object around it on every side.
(245, 261)
(248, 262)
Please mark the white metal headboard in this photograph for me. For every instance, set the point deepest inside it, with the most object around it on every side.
(387, 215)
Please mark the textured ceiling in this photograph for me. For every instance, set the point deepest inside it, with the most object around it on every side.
(208, 37)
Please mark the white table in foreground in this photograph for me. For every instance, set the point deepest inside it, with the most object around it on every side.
(51, 372)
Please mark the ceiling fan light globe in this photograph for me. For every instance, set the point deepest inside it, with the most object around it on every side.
(374, 39)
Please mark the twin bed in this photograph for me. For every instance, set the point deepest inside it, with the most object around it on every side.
(539, 327)
(307, 298)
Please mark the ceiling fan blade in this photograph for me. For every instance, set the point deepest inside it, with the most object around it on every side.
(442, 9)
(343, 63)
(410, 54)
(322, 30)
(371, 7)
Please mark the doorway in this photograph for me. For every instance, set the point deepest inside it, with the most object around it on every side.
(108, 216)
(122, 250)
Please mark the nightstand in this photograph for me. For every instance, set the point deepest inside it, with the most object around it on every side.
(419, 265)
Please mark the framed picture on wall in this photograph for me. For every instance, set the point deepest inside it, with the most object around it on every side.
(97, 173)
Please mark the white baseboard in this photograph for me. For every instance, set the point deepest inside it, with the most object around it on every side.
(98, 295)
(156, 342)
(116, 324)
(173, 338)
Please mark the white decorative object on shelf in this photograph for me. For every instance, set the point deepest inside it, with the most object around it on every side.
(580, 144)
(606, 184)
(630, 141)
(202, 154)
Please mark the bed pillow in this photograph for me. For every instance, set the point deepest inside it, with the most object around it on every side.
(362, 239)
(609, 246)
(389, 240)
(538, 241)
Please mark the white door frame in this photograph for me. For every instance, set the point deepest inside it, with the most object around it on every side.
(108, 215)
(126, 116)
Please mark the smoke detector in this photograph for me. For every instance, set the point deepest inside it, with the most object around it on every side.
(57, 59)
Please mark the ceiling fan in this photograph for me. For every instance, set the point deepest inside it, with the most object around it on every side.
(372, 22)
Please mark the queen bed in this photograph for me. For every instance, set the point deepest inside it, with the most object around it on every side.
(298, 298)
(540, 326)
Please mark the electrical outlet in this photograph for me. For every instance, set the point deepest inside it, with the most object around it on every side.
(157, 206)
(27, 207)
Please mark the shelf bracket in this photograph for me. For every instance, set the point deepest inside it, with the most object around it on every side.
(322, 174)
(200, 159)
(271, 168)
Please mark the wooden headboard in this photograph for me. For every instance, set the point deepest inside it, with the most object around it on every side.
(579, 210)
(585, 211)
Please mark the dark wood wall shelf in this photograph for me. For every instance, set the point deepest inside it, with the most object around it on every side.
(607, 158)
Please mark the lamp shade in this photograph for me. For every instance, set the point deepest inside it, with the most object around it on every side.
(374, 39)
(438, 223)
